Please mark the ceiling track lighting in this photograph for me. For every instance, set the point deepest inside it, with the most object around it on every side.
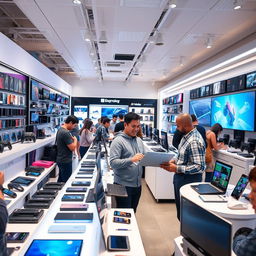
(172, 4)
(237, 5)
(103, 38)
(209, 42)
(159, 39)
(77, 2)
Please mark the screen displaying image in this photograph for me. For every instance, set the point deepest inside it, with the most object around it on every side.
(202, 91)
(52, 96)
(34, 117)
(81, 112)
(219, 87)
(34, 90)
(58, 98)
(236, 83)
(5, 137)
(179, 98)
(113, 110)
(251, 80)
(202, 110)
(172, 129)
(46, 94)
(235, 111)
(14, 137)
(55, 247)
(50, 108)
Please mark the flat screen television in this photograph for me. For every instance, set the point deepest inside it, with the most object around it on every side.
(202, 110)
(155, 136)
(172, 129)
(219, 87)
(202, 91)
(46, 94)
(49, 109)
(58, 98)
(171, 100)
(179, 98)
(203, 229)
(251, 80)
(52, 96)
(234, 111)
(236, 83)
(114, 110)
(164, 140)
(34, 117)
(208, 90)
(34, 90)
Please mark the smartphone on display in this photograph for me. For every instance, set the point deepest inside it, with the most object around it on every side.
(118, 243)
(9, 193)
(81, 183)
(16, 237)
(73, 207)
(240, 186)
(121, 220)
(74, 189)
(33, 174)
(72, 197)
(122, 214)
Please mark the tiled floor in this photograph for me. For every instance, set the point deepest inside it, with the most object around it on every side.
(158, 224)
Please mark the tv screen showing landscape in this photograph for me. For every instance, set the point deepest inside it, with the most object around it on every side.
(111, 110)
(234, 111)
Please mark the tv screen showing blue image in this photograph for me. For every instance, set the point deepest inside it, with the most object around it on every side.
(202, 110)
(251, 80)
(110, 111)
(234, 111)
(55, 247)
(34, 90)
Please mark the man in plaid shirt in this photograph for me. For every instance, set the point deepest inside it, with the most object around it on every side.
(244, 243)
(190, 162)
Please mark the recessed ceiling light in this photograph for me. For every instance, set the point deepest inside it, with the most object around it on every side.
(103, 38)
(159, 39)
(237, 5)
(172, 4)
(77, 2)
(209, 42)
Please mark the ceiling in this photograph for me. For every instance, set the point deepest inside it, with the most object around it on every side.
(54, 31)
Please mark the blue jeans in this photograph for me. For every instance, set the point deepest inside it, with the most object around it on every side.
(65, 171)
(132, 200)
(83, 151)
(180, 180)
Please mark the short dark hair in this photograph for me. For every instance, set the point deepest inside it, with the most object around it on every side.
(193, 117)
(102, 118)
(114, 116)
(252, 174)
(73, 119)
(106, 120)
(130, 117)
(121, 116)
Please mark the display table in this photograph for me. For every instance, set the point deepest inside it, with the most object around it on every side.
(238, 218)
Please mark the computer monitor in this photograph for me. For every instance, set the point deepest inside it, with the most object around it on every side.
(155, 134)
(164, 140)
(34, 117)
(206, 231)
(46, 94)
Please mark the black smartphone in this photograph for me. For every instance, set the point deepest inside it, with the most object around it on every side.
(240, 186)
(9, 193)
(16, 237)
(33, 174)
(76, 189)
(121, 220)
(118, 243)
(122, 214)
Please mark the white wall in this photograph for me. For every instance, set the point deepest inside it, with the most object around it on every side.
(14, 56)
(93, 88)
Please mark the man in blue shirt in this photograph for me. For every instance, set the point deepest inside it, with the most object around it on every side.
(190, 162)
(244, 243)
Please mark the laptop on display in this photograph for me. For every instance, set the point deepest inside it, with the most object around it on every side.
(219, 183)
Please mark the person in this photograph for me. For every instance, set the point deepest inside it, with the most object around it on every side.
(102, 130)
(86, 137)
(3, 219)
(244, 242)
(190, 162)
(75, 132)
(126, 151)
(113, 124)
(178, 134)
(119, 126)
(98, 124)
(66, 144)
(212, 143)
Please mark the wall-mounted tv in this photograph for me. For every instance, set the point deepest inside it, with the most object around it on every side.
(52, 96)
(251, 80)
(112, 110)
(219, 87)
(202, 110)
(34, 90)
(234, 111)
(179, 98)
(236, 83)
(34, 117)
(46, 94)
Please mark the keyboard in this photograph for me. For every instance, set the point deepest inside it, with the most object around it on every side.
(247, 155)
(90, 196)
(91, 157)
(152, 144)
(116, 190)
(158, 150)
(88, 163)
(146, 139)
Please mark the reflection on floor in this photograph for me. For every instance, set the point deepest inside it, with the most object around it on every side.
(158, 224)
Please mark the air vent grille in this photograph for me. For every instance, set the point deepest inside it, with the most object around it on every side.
(127, 57)
(114, 71)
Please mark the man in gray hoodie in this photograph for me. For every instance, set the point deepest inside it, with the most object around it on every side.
(125, 152)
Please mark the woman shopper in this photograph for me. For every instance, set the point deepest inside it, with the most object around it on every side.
(211, 136)
(86, 137)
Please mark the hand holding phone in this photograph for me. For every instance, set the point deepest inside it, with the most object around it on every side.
(121, 220)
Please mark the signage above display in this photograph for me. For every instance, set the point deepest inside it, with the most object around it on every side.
(109, 101)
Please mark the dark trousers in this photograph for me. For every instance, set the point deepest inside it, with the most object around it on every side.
(65, 171)
(132, 200)
(180, 180)
(208, 176)
(83, 151)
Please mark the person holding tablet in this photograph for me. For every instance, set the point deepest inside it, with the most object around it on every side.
(244, 243)
(3, 218)
(126, 151)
